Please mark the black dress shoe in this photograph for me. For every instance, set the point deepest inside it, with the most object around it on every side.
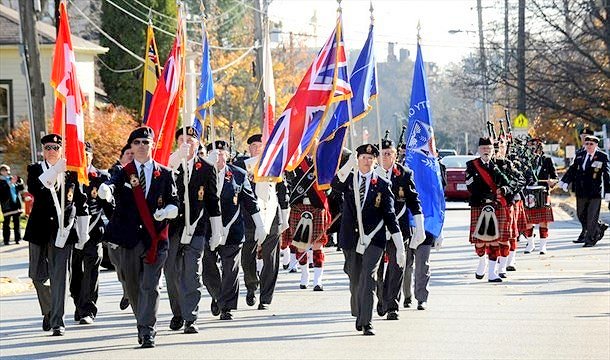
(190, 328)
(542, 253)
(392, 315)
(176, 323)
(46, 323)
(262, 306)
(310, 265)
(358, 327)
(76, 317)
(579, 241)
(139, 340)
(285, 267)
(380, 310)
(250, 298)
(503, 275)
(302, 287)
(589, 244)
(59, 331)
(496, 280)
(86, 320)
(407, 303)
(293, 270)
(226, 315)
(422, 305)
(148, 341)
(214, 308)
(510, 268)
(368, 330)
(478, 277)
(124, 304)
(318, 288)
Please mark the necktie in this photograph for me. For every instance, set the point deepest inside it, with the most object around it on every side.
(587, 162)
(142, 178)
(362, 189)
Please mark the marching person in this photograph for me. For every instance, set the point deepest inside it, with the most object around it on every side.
(587, 174)
(363, 251)
(145, 197)
(86, 260)
(546, 176)
(272, 200)
(234, 191)
(10, 189)
(49, 246)
(181, 269)
(406, 200)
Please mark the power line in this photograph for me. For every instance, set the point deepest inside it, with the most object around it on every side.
(119, 71)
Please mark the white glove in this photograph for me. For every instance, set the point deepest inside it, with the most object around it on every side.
(381, 172)
(401, 256)
(438, 242)
(259, 234)
(363, 243)
(346, 169)
(419, 236)
(213, 157)
(49, 177)
(175, 159)
(607, 197)
(563, 186)
(285, 220)
(82, 230)
(60, 166)
(104, 192)
(62, 237)
(168, 212)
(216, 225)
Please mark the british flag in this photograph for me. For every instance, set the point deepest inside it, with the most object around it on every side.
(293, 135)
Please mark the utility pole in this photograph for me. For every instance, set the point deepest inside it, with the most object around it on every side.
(32, 57)
(259, 35)
(483, 61)
(521, 60)
(506, 55)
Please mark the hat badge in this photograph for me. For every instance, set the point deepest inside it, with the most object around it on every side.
(369, 149)
(55, 138)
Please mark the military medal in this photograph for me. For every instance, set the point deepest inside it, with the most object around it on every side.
(160, 202)
(93, 192)
(401, 192)
(70, 194)
(378, 200)
(235, 199)
(134, 181)
(200, 193)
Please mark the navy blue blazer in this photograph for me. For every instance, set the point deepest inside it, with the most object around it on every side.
(587, 183)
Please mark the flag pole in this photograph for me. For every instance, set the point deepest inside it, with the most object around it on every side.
(371, 9)
(185, 169)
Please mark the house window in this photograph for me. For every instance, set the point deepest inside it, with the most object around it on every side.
(6, 107)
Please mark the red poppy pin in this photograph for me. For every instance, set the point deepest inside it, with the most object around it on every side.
(228, 175)
(374, 181)
(93, 174)
(156, 173)
(197, 165)
(396, 171)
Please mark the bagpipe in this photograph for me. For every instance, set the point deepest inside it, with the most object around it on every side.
(402, 146)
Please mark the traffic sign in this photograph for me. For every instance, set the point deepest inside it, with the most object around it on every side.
(521, 121)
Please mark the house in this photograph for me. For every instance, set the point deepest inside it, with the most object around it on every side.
(13, 89)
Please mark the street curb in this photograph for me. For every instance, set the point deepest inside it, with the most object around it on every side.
(10, 286)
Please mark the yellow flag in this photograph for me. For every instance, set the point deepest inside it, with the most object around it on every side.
(152, 71)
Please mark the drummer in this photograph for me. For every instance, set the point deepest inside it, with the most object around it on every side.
(541, 212)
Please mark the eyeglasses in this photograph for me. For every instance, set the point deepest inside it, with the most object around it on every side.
(143, 142)
(52, 147)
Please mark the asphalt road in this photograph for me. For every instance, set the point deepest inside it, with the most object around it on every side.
(556, 306)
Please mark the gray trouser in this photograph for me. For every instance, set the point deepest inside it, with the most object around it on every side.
(588, 215)
(271, 262)
(84, 279)
(115, 258)
(388, 286)
(224, 288)
(48, 262)
(183, 278)
(142, 283)
(362, 270)
(421, 257)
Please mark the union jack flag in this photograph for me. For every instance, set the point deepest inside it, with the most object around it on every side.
(293, 135)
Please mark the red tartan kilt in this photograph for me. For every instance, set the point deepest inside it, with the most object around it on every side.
(504, 223)
(286, 239)
(541, 215)
(521, 217)
(320, 222)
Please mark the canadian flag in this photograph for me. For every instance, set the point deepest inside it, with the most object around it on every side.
(268, 90)
(69, 101)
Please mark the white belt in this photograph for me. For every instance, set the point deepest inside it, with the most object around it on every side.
(401, 212)
(227, 228)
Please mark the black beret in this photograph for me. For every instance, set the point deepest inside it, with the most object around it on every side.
(51, 139)
(586, 131)
(190, 131)
(220, 145)
(88, 147)
(387, 144)
(255, 138)
(125, 148)
(592, 138)
(369, 149)
(143, 132)
(484, 141)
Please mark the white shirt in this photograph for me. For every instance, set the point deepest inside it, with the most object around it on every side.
(148, 169)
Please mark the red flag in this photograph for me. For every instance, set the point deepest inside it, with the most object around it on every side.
(268, 90)
(69, 101)
(167, 99)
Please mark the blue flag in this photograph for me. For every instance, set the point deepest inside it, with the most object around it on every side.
(363, 84)
(421, 152)
(206, 88)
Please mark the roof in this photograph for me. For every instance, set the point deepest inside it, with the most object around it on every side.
(9, 33)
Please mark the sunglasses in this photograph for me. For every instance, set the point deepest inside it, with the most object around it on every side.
(52, 147)
(143, 142)
(589, 143)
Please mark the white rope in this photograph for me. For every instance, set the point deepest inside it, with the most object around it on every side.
(118, 71)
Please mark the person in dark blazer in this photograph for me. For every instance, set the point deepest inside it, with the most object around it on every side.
(186, 243)
(235, 191)
(49, 246)
(145, 197)
(587, 174)
(10, 193)
(363, 246)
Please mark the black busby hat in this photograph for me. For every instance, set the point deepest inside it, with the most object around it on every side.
(51, 139)
(143, 132)
(592, 138)
(220, 145)
(255, 138)
(88, 147)
(586, 131)
(190, 131)
(485, 141)
(387, 144)
(368, 149)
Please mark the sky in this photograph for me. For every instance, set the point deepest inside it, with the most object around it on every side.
(395, 21)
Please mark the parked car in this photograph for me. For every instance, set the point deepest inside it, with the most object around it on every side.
(446, 152)
(456, 176)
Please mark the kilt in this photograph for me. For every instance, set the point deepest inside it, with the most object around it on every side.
(504, 224)
(540, 215)
(286, 239)
(319, 222)
(521, 217)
